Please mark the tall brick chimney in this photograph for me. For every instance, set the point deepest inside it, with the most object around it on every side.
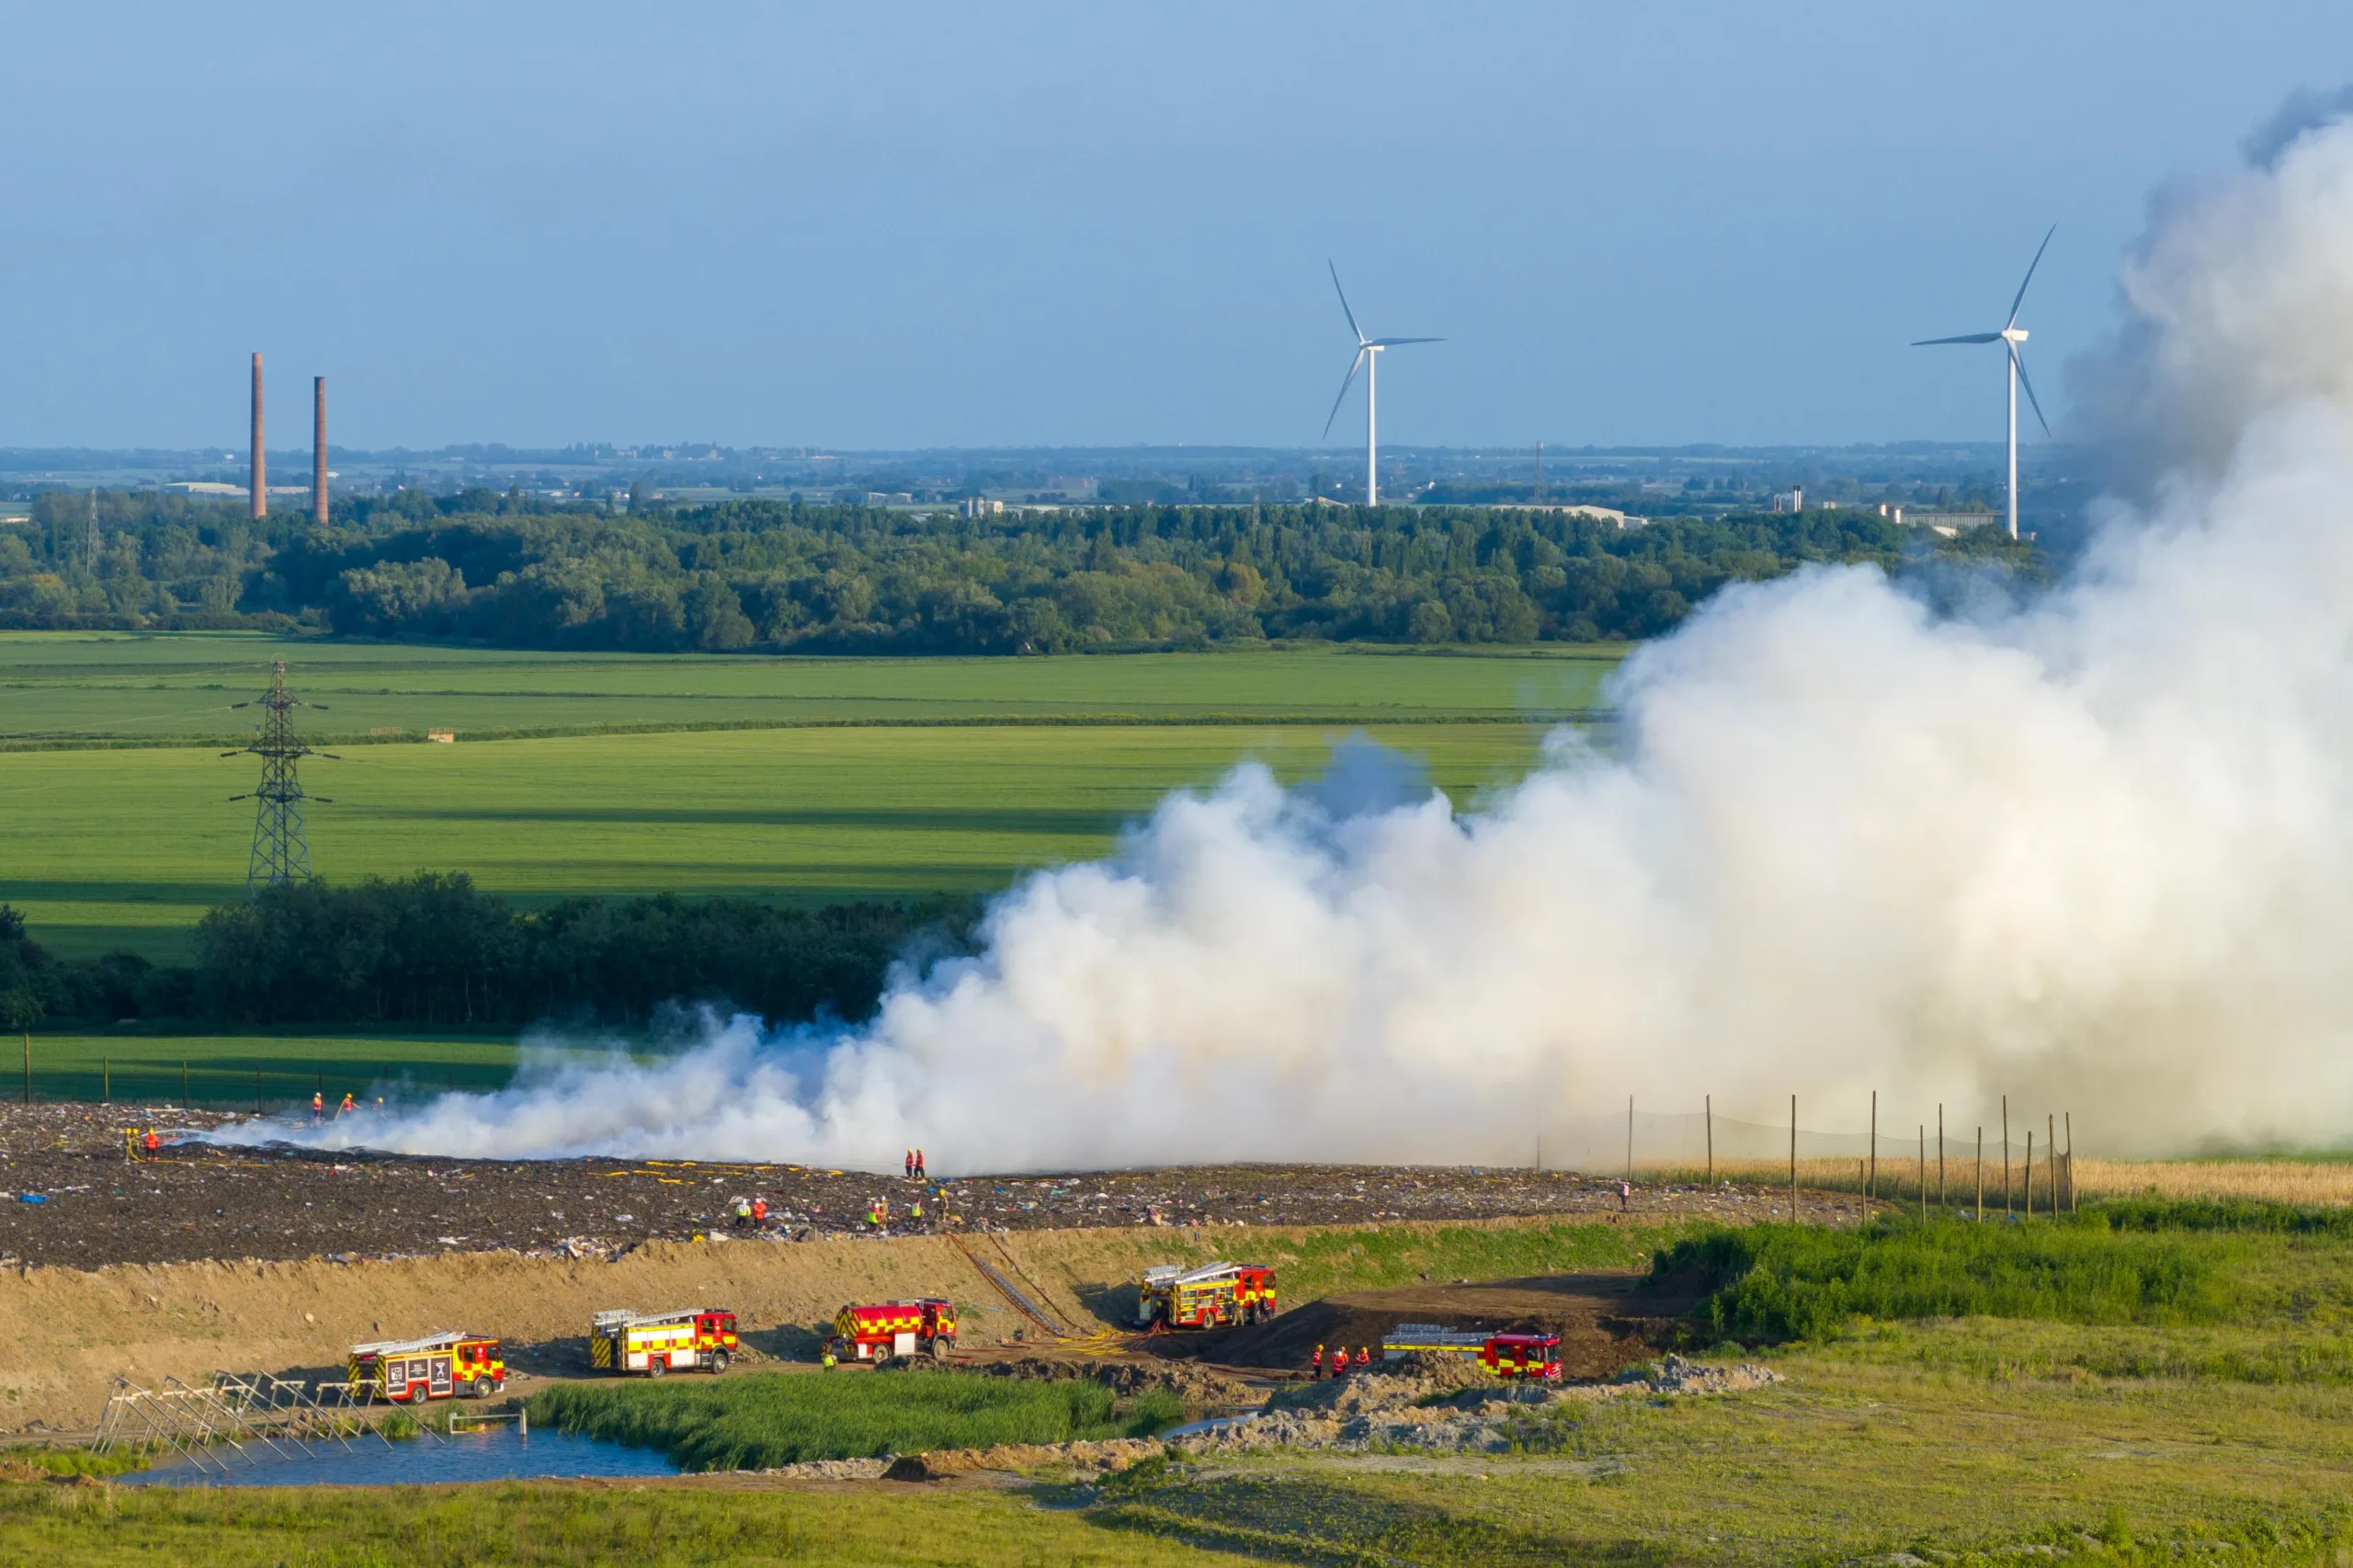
(318, 449)
(260, 507)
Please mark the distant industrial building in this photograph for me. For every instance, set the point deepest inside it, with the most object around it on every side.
(1950, 524)
(1609, 514)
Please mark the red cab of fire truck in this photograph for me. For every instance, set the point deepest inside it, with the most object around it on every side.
(439, 1366)
(877, 1332)
(656, 1343)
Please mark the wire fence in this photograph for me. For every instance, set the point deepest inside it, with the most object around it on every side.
(1937, 1160)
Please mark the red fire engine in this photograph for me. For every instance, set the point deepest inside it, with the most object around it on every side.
(656, 1343)
(895, 1328)
(439, 1366)
(1504, 1355)
(1215, 1295)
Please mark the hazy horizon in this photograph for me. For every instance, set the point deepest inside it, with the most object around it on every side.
(1050, 226)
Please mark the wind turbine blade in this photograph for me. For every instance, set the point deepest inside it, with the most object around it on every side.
(1971, 337)
(2020, 364)
(1392, 342)
(1344, 309)
(2030, 276)
(1346, 382)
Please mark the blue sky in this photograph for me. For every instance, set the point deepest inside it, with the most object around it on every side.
(879, 225)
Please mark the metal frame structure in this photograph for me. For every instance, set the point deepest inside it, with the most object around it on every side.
(281, 851)
(233, 1415)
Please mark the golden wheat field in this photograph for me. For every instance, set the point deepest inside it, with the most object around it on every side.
(2281, 1180)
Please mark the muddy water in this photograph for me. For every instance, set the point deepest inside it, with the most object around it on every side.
(496, 1453)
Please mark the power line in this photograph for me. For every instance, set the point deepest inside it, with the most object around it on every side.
(281, 851)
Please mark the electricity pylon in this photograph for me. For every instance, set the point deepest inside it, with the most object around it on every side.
(281, 848)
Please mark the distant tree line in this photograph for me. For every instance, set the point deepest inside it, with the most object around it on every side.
(774, 577)
(435, 951)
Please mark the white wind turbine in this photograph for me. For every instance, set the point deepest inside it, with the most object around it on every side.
(1369, 355)
(2009, 337)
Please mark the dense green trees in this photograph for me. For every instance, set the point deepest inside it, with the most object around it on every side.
(764, 575)
(433, 949)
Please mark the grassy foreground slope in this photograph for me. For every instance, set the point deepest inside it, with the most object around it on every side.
(584, 1525)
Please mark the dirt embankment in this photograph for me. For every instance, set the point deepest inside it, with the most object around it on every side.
(71, 1331)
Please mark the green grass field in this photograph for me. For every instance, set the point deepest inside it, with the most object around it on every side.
(125, 846)
(77, 687)
(140, 1070)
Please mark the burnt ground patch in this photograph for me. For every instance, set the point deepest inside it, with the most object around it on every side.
(1605, 1321)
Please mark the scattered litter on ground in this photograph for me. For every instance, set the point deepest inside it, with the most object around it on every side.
(82, 1204)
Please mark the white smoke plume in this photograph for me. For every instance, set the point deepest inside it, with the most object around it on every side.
(2237, 300)
(2095, 852)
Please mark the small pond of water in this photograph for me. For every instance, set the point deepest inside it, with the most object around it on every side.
(494, 1453)
(1212, 1424)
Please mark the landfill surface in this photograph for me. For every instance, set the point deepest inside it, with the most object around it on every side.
(73, 1194)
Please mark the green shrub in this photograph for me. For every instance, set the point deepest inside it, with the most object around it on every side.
(87, 1462)
(2243, 1214)
(1781, 1282)
(754, 1422)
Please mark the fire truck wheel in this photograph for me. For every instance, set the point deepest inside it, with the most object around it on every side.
(655, 1365)
(717, 1361)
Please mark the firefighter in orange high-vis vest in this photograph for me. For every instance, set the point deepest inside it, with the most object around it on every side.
(1315, 1364)
(1364, 1358)
(318, 1106)
(151, 1142)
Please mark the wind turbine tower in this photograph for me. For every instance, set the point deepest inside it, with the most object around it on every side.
(2009, 337)
(1369, 357)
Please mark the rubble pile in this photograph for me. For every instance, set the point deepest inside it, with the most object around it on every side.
(1196, 1386)
(1429, 1406)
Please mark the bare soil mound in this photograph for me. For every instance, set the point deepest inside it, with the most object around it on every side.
(1605, 1321)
